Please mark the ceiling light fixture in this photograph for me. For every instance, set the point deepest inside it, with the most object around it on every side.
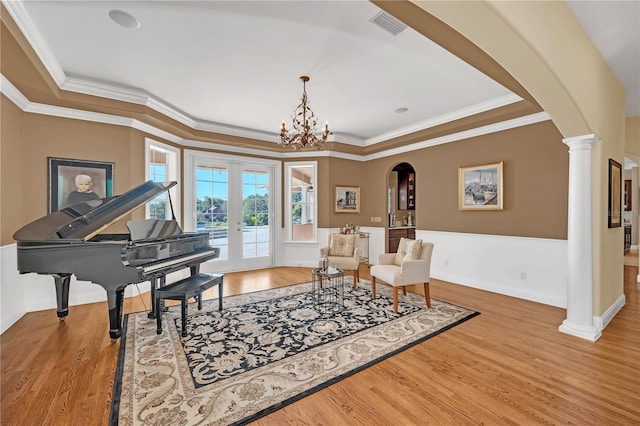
(124, 19)
(303, 134)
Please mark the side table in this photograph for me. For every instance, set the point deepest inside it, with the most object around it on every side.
(328, 290)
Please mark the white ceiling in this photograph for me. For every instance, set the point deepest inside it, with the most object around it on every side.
(614, 27)
(235, 66)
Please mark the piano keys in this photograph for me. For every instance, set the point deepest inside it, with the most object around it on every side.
(68, 242)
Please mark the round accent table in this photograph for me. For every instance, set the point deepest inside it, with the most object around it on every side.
(328, 290)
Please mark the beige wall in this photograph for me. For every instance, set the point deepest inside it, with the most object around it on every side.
(632, 139)
(535, 175)
(29, 139)
(535, 184)
(12, 188)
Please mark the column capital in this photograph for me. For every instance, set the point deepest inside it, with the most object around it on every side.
(581, 142)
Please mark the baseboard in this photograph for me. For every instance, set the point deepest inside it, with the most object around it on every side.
(601, 322)
(507, 291)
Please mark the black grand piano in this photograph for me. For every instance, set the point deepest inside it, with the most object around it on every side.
(68, 242)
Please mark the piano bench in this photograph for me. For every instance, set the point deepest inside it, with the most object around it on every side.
(183, 290)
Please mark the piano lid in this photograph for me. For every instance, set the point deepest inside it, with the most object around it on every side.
(84, 220)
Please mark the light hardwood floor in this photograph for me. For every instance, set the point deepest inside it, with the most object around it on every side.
(510, 365)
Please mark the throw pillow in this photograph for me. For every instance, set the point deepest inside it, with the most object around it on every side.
(408, 250)
(400, 252)
(341, 245)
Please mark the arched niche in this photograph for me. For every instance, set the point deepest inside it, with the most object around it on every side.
(401, 196)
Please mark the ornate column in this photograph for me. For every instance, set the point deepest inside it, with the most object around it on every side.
(579, 320)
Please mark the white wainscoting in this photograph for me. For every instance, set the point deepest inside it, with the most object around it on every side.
(12, 290)
(22, 293)
(308, 254)
(528, 268)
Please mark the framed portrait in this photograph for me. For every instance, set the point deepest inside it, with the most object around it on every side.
(615, 194)
(347, 199)
(480, 187)
(74, 181)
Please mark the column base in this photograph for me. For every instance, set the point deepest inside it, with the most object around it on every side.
(588, 332)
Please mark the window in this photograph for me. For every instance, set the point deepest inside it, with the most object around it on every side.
(162, 166)
(301, 201)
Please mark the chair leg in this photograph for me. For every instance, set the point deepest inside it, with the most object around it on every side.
(395, 299)
(373, 287)
(355, 279)
(404, 290)
(427, 296)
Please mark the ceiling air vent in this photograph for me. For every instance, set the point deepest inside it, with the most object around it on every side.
(388, 23)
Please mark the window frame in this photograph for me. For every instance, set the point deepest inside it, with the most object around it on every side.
(289, 167)
(173, 174)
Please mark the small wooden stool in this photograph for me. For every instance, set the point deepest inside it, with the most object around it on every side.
(183, 290)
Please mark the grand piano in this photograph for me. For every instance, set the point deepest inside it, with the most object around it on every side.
(68, 242)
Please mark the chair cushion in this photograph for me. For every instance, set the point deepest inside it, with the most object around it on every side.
(408, 250)
(341, 245)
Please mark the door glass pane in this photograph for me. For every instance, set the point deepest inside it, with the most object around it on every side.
(212, 195)
(255, 214)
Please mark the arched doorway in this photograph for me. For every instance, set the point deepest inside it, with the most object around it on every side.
(401, 205)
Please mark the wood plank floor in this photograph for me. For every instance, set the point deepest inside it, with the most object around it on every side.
(510, 365)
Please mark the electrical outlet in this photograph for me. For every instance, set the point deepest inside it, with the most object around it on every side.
(523, 276)
(446, 262)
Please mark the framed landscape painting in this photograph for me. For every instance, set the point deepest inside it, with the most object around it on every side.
(347, 199)
(480, 187)
(74, 181)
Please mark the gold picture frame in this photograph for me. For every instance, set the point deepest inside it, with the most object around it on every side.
(347, 199)
(480, 187)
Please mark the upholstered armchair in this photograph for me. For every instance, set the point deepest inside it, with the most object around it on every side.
(410, 265)
(344, 253)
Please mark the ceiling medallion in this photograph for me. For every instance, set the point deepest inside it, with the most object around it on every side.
(303, 132)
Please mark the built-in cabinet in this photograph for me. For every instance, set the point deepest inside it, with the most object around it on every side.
(406, 190)
(396, 233)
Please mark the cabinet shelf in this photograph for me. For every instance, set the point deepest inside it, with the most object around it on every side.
(406, 191)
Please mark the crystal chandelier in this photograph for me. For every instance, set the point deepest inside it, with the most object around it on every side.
(303, 134)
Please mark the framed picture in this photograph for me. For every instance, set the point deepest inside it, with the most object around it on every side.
(615, 198)
(347, 199)
(74, 181)
(480, 187)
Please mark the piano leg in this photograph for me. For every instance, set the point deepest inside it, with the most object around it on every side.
(62, 294)
(114, 300)
(156, 283)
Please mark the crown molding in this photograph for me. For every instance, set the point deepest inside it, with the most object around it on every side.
(478, 131)
(26, 25)
(20, 15)
(13, 94)
(446, 118)
(236, 131)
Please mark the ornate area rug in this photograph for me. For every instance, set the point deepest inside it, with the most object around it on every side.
(263, 351)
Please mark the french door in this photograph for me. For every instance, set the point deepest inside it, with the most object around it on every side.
(233, 200)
